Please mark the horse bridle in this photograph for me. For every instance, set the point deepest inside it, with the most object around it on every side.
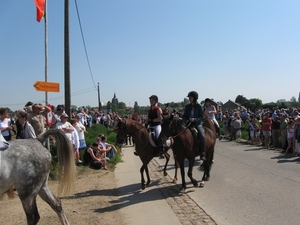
(177, 135)
(125, 134)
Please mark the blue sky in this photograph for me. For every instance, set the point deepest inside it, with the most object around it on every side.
(137, 48)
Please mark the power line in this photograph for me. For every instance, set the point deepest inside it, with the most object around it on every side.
(86, 54)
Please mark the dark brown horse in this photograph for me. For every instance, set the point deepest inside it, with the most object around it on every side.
(142, 144)
(185, 147)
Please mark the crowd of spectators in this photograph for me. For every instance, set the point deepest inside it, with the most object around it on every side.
(271, 128)
(35, 118)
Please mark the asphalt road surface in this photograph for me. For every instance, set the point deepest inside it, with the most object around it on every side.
(248, 185)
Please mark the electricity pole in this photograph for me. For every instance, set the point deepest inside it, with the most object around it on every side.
(67, 62)
(99, 101)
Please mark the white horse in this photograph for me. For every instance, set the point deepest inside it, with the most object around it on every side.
(25, 166)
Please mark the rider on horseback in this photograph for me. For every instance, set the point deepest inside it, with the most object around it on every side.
(155, 119)
(193, 114)
(211, 111)
(154, 122)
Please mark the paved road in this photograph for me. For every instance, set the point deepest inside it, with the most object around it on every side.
(249, 185)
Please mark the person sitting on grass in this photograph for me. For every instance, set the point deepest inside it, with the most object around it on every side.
(110, 149)
(97, 157)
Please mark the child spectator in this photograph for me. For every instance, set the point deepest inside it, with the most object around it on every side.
(257, 133)
(251, 131)
(110, 149)
(290, 136)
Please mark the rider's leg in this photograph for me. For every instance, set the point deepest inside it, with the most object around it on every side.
(202, 141)
(217, 126)
(157, 130)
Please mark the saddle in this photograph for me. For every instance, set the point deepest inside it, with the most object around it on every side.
(196, 139)
(195, 135)
(152, 139)
(153, 142)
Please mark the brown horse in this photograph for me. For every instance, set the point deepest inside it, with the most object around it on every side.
(185, 147)
(142, 144)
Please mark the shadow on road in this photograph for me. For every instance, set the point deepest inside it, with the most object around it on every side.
(131, 194)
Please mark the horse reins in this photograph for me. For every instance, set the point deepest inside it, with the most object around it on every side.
(181, 131)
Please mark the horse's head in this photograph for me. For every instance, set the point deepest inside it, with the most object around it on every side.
(121, 131)
(165, 127)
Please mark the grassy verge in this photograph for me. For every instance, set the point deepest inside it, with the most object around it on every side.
(90, 137)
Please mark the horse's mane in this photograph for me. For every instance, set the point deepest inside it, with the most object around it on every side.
(177, 123)
(131, 122)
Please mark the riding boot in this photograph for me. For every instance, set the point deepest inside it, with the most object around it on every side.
(161, 152)
(202, 149)
(218, 131)
(202, 142)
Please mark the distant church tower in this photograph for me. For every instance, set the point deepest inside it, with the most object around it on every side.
(299, 98)
(115, 100)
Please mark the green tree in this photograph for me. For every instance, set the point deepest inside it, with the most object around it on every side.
(185, 102)
(254, 103)
(136, 107)
(121, 105)
(241, 100)
(114, 107)
(294, 102)
(109, 106)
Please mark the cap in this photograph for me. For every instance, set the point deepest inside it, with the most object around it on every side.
(64, 115)
(28, 104)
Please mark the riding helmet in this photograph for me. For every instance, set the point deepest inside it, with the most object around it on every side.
(193, 94)
(154, 97)
(207, 100)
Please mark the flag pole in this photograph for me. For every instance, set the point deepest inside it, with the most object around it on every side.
(46, 63)
(46, 50)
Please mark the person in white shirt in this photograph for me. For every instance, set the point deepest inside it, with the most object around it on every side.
(75, 142)
(80, 130)
(27, 131)
(65, 126)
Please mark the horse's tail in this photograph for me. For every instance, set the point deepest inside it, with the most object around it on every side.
(10, 193)
(207, 164)
(65, 160)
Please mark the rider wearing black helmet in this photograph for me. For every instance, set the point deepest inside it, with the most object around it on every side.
(193, 114)
(155, 120)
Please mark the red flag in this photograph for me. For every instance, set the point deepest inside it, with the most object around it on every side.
(40, 9)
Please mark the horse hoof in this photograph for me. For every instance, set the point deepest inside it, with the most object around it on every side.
(201, 184)
(207, 178)
(175, 181)
(182, 190)
(143, 186)
(165, 174)
(195, 183)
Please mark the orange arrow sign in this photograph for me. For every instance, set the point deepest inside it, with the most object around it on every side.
(46, 86)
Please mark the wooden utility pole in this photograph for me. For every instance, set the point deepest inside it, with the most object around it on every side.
(67, 62)
(99, 100)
